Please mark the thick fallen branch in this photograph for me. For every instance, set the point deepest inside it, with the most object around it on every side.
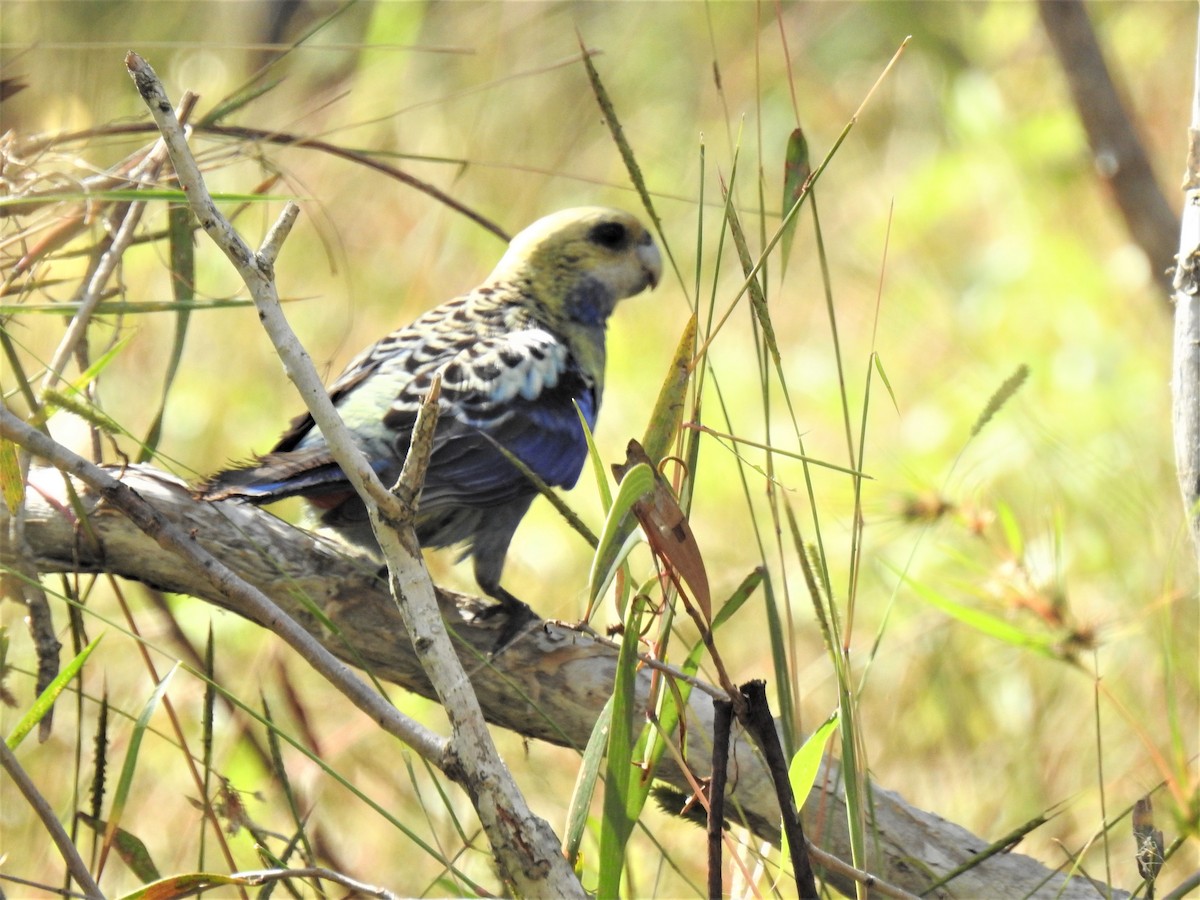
(551, 684)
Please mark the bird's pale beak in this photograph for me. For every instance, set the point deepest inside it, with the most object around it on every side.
(651, 261)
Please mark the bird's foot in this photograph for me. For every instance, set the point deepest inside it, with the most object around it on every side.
(518, 616)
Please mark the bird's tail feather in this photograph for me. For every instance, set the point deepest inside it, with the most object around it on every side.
(275, 476)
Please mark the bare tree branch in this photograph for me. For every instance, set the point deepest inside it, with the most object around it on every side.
(524, 845)
(1117, 150)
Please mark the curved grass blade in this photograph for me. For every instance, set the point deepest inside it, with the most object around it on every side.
(46, 699)
(613, 545)
(585, 785)
(187, 885)
(620, 789)
(125, 782)
(623, 147)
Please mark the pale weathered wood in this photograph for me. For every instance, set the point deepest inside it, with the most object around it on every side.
(1185, 381)
(567, 676)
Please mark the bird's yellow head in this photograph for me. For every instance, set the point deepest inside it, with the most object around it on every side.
(575, 265)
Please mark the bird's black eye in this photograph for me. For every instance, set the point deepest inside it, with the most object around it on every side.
(612, 235)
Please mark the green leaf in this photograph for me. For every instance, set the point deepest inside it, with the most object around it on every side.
(1011, 528)
(672, 398)
(804, 767)
(12, 486)
(46, 699)
(129, 847)
(186, 886)
(796, 171)
(637, 483)
(802, 771)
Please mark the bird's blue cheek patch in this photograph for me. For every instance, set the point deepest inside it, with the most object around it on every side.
(589, 303)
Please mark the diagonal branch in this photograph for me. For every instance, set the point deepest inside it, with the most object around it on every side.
(551, 685)
(525, 845)
(1117, 150)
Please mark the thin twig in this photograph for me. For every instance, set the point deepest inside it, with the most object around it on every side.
(761, 727)
(277, 138)
(269, 876)
(93, 291)
(75, 864)
(716, 794)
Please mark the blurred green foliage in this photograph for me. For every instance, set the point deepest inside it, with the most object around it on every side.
(1003, 249)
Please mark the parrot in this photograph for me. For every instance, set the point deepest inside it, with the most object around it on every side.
(521, 359)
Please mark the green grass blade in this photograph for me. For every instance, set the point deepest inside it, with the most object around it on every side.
(804, 767)
(46, 699)
(285, 784)
(985, 623)
(631, 164)
(758, 299)
(616, 824)
(206, 725)
(585, 785)
(128, 195)
(125, 782)
(598, 472)
(126, 308)
(739, 597)
(878, 363)
(183, 283)
(613, 545)
(241, 98)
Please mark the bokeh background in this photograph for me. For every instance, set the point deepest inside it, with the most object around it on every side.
(967, 233)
